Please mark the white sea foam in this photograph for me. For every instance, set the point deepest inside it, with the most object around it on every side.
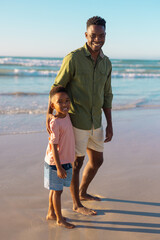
(34, 73)
(21, 132)
(125, 65)
(15, 111)
(22, 66)
(127, 73)
(132, 70)
(140, 103)
(43, 111)
(29, 62)
(133, 106)
(135, 75)
(23, 94)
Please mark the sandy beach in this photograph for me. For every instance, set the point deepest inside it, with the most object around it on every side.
(128, 183)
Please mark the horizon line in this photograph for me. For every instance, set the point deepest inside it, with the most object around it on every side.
(117, 58)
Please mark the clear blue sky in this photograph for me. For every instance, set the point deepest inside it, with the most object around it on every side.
(52, 28)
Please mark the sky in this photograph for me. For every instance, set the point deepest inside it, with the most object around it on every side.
(52, 28)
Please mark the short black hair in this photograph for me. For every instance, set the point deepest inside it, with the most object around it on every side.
(57, 89)
(96, 21)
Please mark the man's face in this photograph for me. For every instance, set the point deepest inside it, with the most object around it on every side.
(95, 37)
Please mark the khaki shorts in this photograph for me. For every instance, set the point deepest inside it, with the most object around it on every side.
(92, 139)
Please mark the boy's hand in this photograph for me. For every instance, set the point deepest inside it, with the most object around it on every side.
(48, 118)
(61, 173)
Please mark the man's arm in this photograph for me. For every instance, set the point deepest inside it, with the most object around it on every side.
(66, 71)
(109, 128)
(63, 77)
(107, 106)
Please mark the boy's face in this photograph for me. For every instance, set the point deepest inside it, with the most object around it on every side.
(61, 103)
(95, 37)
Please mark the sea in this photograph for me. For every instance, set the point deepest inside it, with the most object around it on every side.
(25, 83)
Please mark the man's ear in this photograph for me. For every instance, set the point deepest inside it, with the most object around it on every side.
(86, 34)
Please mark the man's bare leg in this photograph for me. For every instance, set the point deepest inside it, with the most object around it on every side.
(95, 161)
(77, 205)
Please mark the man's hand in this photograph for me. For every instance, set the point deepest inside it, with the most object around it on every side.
(61, 173)
(48, 118)
(109, 129)
(109, 133)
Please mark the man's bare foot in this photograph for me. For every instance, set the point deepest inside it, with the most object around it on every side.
(85, 211)
(53, 217)
(65, 224)
(88, 197)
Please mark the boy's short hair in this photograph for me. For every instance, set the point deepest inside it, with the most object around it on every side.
(57, 89)
(96, 21)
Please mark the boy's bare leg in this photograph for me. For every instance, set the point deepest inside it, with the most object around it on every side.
(95, 161)
(77, 205)
(51, 213)
(57, 207)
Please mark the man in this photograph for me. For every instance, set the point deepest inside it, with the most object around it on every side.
(86, 74)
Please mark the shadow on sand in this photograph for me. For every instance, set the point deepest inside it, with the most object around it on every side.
(129, 201)
(146, 227)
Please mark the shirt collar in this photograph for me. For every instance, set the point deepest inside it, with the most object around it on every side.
(87, 52)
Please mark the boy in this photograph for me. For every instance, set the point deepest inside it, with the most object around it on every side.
(60, 154)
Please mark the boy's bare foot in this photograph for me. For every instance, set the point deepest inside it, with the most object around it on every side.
(53, 217)
(88, 197)
(65, 224)
(85, 211)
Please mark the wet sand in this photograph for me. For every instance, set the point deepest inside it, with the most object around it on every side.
(128, 183)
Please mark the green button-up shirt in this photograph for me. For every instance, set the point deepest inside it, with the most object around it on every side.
(88, 85)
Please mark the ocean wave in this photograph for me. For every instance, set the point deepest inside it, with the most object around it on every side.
(132, 106)
(30, 62)
(49, 67)
(139, 103)
(135, 75)
(21, 132)
(22, 111)
(48, 73)
(132, 70)
(30, 73)
(23, 94)
(52, 62)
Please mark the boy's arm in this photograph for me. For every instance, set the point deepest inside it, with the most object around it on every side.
(61, 173)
